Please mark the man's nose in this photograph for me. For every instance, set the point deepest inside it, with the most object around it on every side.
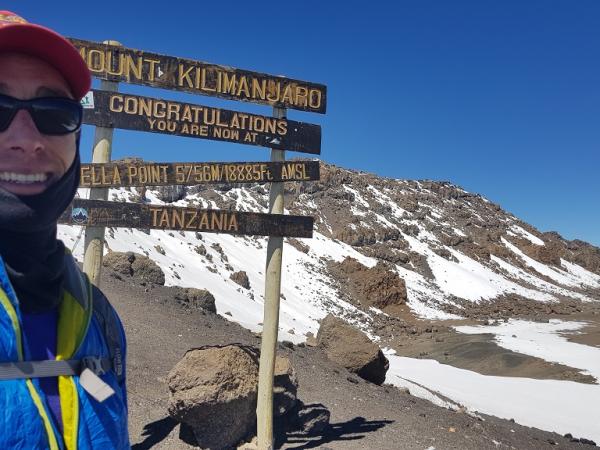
(23, 135)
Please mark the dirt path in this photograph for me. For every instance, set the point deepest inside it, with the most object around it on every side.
(363, 415)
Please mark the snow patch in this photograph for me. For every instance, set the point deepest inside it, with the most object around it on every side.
(522, 232)
(560, 276)
(585, 276)
(559, 406)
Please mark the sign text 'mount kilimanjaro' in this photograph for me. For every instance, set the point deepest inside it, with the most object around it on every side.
(135, 215)
(141, 173)
(139, 67)
(134, 112)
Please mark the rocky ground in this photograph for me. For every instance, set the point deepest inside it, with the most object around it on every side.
(162, 324)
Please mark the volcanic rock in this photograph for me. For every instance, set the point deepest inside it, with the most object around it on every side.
(195, 298)
(134, 264)
(240, 278)
(352, 349)
(148, 270)
(119, 262)
(213, 390)
(377, 286)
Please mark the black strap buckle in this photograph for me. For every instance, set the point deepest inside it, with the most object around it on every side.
(95, 364)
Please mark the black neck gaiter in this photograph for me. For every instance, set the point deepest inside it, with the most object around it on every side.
(34, 258)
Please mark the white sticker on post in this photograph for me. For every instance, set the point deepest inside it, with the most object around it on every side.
(94, 385)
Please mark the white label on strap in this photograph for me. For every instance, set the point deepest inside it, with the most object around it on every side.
(94, 385)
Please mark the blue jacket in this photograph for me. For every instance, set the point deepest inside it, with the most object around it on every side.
(87, 326)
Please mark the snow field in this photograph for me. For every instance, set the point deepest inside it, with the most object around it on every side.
(560, 406)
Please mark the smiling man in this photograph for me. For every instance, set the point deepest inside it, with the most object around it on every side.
(62, 346)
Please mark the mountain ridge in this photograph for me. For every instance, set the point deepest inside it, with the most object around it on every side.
(431, 233)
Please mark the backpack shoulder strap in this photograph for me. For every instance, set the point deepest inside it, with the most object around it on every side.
(105, 315)
(112, 330)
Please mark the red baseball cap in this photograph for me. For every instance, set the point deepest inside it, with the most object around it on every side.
(17, 35)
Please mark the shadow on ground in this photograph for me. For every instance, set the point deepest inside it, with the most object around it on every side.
(351, 430)
(155, 432)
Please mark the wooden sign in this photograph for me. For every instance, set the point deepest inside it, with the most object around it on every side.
(117, 63)
(136, 215)
(140, 173)
(133, 112)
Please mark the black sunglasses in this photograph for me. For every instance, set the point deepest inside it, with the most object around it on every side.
(52, 115)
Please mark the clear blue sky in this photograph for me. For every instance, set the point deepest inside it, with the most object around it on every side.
(499, 97)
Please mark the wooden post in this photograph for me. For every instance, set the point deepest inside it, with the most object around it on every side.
(268, 347)
(94, 236)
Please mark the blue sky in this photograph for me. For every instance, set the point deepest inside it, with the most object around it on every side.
(499, 97)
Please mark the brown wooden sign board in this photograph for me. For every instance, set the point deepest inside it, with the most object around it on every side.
(116, 63)
(136, 215)
(134, 112)
(141, 173)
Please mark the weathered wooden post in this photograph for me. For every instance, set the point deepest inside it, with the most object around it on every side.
(94, 236)
(268, 347)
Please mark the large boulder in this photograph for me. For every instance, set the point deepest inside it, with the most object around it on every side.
(134, 264)
(119, 262)
(195, 298)
(379, 286)
(351, 348)
(146, 269)
(213, 391)
(240, 278)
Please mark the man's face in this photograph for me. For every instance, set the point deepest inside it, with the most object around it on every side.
(31, 161)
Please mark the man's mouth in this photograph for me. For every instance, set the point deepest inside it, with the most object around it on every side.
(24, 178)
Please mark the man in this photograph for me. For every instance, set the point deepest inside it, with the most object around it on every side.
(62, 347)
